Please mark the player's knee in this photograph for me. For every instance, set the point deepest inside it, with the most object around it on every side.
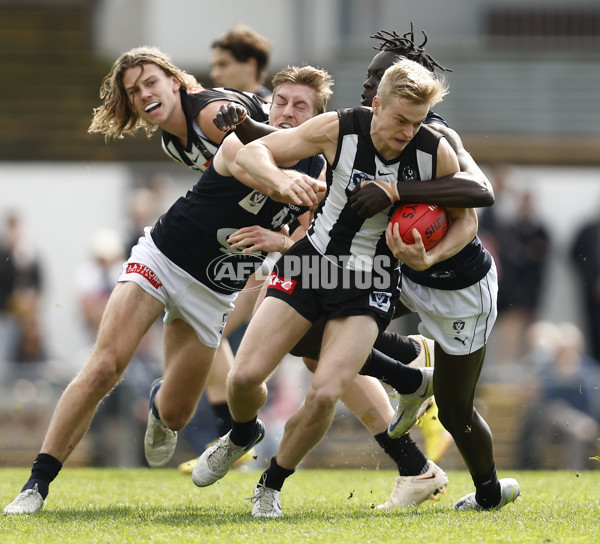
(101, 373)
(175, 417)
(454, 418)
(323, 398)
(243, 379)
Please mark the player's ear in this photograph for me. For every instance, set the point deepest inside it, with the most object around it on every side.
(376, 105)
(176, 84)
(252, 63)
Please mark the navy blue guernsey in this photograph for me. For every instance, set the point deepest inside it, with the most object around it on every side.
(433, 117)
(193, 233)
(200, 150)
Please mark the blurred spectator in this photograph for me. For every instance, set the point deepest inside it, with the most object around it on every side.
(523, 250)
(146, 204)
(493, 217)
(20, 294)
(561, 429)
(239, 61)
(96, 277)
(585, 255)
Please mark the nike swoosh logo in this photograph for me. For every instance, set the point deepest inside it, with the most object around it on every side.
(426, 477)
(258, 439)
(395, 422)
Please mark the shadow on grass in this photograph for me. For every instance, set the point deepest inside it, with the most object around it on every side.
(225, 516)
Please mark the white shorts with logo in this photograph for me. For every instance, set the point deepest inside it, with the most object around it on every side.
(459, 321)
(183, 296)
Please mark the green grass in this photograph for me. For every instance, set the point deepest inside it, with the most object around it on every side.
(335, 506)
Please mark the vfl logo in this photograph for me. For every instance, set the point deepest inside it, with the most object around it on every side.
(408, 173)
(254, 202)
(356, 179)
(458, 326)
(277, 282)
(380, 300)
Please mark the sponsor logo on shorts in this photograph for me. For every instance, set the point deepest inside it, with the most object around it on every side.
(276, 282)
(143, 270)
(380, 300)
(222, 322)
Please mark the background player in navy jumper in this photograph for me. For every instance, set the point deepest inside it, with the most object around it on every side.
(356, 143)
(169, 270)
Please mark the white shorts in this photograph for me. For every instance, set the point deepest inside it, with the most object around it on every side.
(459, 321)
(183, 296)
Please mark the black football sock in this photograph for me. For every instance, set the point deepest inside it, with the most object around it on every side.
(243, 433)
(487, 489)
(274, 476)
(404, 379)
(401, 348)
(45, 469)
(405, 452)
(222, 418)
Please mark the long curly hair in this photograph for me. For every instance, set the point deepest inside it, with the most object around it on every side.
(115, 117)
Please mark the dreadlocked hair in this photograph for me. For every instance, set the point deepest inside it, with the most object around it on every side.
(404, 45)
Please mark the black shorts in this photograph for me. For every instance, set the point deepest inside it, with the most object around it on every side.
(316, 286)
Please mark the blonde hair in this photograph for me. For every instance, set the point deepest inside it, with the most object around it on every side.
(115, 117)
(409, 80)
(315, 78)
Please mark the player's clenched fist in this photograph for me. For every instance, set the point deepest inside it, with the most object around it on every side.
(229, 116)
(302, 189)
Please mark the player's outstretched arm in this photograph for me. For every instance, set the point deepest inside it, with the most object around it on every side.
(260, 159)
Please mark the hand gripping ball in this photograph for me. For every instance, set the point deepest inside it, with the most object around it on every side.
(430, 220)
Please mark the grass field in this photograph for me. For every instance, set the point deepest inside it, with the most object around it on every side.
(320, 506)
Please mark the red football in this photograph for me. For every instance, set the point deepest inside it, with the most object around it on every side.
(430, 220)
